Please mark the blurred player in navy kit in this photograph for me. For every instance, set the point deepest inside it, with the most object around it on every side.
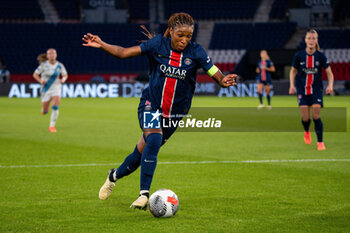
(173, 64)
(306, 79)
(264, 69)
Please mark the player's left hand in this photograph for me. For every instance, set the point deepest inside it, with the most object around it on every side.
(329, 90)
(229, 80)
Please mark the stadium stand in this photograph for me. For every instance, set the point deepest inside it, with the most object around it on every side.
(67, 9)
(19, 52)
(226, 60)
(339, 60)
(138, 9)
(279, 9)
(344, 9)
(209, 10)
(250, 36)
(20, 10)
(234, 33)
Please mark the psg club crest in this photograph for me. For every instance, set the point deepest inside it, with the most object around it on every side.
(151, 119)
(148, 106)
(187, 61)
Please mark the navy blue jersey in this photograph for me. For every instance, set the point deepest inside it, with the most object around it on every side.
(172, 74)
(264, 75)
(309, 77)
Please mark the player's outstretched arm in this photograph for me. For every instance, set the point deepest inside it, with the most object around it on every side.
(115, 50)
(225, 81)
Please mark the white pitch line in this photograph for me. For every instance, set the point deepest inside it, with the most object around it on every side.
(182, 162)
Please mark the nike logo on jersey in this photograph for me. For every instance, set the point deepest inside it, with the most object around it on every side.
(319, 100)
(208, 59)
(302, 63)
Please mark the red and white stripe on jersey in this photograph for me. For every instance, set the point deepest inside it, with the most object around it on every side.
(170, 84)
(263, 71)
(310, 63)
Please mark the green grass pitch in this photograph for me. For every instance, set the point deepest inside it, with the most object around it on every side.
(277, 196)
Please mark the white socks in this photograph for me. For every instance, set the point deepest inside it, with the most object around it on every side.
(54, 116)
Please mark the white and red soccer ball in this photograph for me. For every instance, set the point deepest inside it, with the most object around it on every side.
(163, 203)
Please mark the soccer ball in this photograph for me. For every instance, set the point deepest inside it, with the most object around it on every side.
(163, 203)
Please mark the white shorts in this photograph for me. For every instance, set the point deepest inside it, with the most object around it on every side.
(49, 94)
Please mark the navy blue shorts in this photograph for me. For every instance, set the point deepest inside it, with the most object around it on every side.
(309, 100)
(145, 105)
(267, 82)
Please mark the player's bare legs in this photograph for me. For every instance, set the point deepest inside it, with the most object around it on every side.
(45, 107)
(316, 110)
(305, 112)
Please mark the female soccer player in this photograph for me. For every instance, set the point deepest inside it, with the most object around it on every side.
(264, 69)
(47, 74)
(174, 61)
(306, 77)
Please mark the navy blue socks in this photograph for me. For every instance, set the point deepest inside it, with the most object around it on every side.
(261, 98)
(268, 99)
(319, 129)
(130, 164)
(306, 125)
(149, 159)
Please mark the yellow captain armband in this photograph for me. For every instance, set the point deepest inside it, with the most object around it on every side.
(212, 70)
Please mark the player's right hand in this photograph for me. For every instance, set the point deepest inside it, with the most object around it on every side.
(292, 90)
(92, 40)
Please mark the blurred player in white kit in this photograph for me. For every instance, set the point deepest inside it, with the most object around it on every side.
(48, 75)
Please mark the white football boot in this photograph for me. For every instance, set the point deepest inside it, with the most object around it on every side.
(141, 202)
(107, 187)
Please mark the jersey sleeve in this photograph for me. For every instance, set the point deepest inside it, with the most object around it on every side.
(324, 61)
(63, 70)
(204, 60)
(271, 63)
(295, 62)
(151, 44)
(39, 69)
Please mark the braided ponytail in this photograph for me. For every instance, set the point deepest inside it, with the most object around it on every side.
(178, 19)
(175, 20)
